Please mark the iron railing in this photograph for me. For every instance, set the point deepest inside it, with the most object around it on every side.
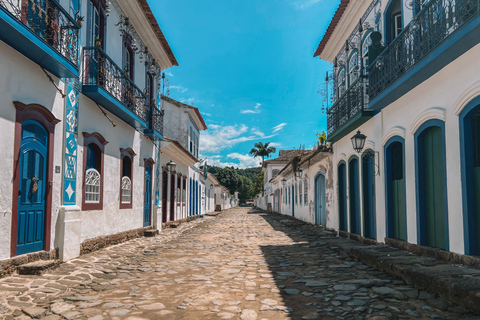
(155, 119)
(433, 25)
(100, 70)
(49, 21)
(349, 105)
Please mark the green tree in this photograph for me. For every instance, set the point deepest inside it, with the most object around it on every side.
(258, 186)
(245, 189)
(262, 150)
(228, 178)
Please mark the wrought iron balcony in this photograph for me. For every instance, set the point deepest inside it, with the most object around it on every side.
(414, 48)
(155, 123)
(42, 31)
(348, 112)
(108, 85)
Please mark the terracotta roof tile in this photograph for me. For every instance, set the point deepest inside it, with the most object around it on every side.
(158, 32)
(333, 24)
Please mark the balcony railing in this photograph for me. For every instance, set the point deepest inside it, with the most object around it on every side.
(348, 106)
(49, 21)
(433, 25)
(100, 70)
(155, 119)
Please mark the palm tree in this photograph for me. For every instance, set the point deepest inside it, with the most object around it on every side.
(262, 150)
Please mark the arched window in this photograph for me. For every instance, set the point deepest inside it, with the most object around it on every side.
(94, 147)
(306, 192)
(126, 156)
(92, 186)
(393, 20)
(300, 190)
(341, 82)
(353, 67)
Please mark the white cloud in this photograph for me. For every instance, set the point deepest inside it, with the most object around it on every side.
(206, 114)
(179, 88)
(190, 101)
(304, 4)
(244, 161)
(256, 109)
(279, 127)
(276, 145)
(169, 74)
(219, 138)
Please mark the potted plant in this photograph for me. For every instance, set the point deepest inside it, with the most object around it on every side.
(80, 20)
(98, 42)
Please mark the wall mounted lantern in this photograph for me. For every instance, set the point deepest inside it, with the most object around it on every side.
(284, 182)
(298, 173)
(171, 166)
(358, 142)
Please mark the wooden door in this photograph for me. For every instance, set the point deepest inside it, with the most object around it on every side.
(354, 194)
(147, 211)
(368, 188)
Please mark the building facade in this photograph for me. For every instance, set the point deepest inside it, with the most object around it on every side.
(404, 75)
(81, 112)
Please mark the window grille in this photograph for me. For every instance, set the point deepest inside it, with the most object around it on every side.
(306, 192)
(126, 190)
(92, 186)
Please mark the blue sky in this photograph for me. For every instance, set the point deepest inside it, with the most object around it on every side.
(248, 66)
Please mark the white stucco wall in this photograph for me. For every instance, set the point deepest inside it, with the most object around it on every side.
(24, 81)
(440, 97)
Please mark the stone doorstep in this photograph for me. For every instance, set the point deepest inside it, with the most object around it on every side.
(38, 267)
(9, 266)
(150, 233)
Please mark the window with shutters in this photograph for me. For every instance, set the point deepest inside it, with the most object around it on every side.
(94, 147)
(126, 156)
(306, 192)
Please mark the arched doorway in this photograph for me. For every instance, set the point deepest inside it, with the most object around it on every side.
(342, 196)
(470, 156)
(354, 195)
(431, 185)
(320, 200)
(395, 189)
(368, 191)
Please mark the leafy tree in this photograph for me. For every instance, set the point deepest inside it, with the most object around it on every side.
(245, 189)
(262, 150)
(228, 178)
(258, 186)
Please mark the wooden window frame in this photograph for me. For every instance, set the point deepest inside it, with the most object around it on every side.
(97, 139)
(129, 153)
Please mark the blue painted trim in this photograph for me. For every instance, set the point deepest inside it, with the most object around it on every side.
(293, 200)
(103, 98)
(21, 38)
(387, 18)
(466, 157)
(453, 47)
(421, 224)
(388, 178)
(153, 134)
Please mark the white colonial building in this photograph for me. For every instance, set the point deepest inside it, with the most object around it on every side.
(405, 74)
(80, 109)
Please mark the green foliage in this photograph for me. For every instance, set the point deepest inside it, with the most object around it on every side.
(262, 150)
(245, 189)
(228, 178)
(258, 186)
(243, 186)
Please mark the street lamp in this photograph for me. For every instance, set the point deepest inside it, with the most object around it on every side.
(211, 186)
(284, 182)
(358, 141)
(171, 166)
(298, 173)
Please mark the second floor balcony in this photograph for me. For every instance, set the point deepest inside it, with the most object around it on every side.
(440, 33)
(42, 31)
(348, 112)
(155, 123)
(108, 85)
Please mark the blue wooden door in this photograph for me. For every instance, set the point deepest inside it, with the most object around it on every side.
(320, 201)
(368, 188)
(354, 196)
(32, 188)
(293, 201)
(395, 183)
(148, 197)
(342, 197)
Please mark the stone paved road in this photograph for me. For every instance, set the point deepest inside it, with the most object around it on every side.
(239, 265)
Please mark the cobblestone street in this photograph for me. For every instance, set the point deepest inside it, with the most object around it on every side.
(241, 264)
